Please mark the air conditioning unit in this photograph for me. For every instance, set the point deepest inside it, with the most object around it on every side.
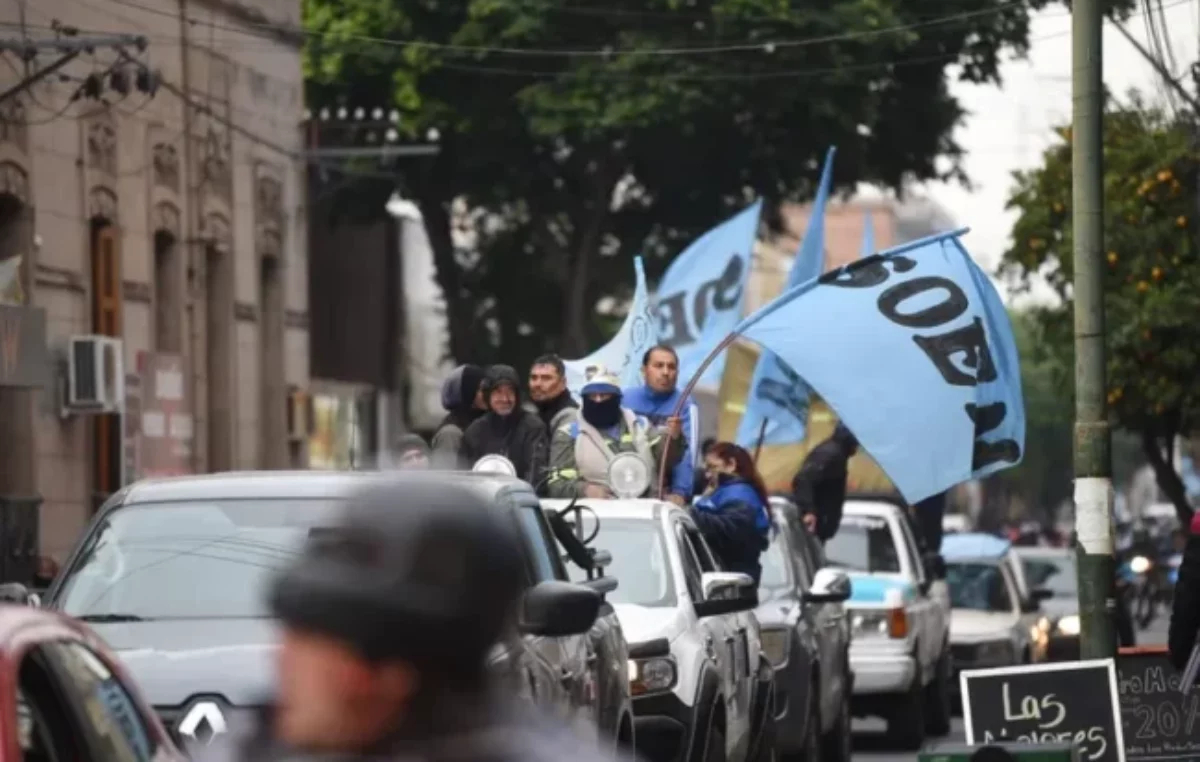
(95, 375)
(299, 415)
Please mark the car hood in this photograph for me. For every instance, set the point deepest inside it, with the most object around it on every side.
(174, 660)
(967, 625)
(642, 623)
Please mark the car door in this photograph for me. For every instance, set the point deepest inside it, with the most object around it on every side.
(828, 624)
(924, 613)
(569, 654)
(735, 643)
(72, 702)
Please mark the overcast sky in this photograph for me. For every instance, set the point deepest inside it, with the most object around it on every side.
(1009, 127)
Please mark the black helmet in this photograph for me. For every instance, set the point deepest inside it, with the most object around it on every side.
(419, 569)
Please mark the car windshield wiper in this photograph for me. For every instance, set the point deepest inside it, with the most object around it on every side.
(105, 618)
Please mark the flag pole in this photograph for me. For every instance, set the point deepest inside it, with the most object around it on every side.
(758, 444)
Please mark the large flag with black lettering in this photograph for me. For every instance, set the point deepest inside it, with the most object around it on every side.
(699, 299)
(777, 403)
(915, 354)
(623, 352)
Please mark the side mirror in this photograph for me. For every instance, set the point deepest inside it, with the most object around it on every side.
(15, 592)
(829, 586)
(726, 593)
(554, 609)
(935, 565)
(602, 585)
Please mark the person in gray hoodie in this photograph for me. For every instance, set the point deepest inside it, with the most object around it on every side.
(462, 397)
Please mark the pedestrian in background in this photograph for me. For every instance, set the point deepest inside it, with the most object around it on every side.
(819, 487)
(462, 398)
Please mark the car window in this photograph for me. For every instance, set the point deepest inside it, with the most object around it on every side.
(546, 565)
(979, 587)
(639, 561)
(116, 728)
(1054, 574)
(139, 557)
(911, 549)
(691, 564)
(776, 566)
(864, 543)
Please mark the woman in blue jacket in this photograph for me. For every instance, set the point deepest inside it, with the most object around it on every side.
(734, 513)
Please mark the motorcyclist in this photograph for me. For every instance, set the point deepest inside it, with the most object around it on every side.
(462, 397)
(548, 391)
(656, 399)
(582, 449)
(506, 429)
(819, 487)
(387, 626)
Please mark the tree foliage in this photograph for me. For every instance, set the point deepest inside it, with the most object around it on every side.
(1152, 271)
(665, 118)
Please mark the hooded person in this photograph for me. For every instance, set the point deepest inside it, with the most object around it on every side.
(819, 487)
(411, 452)
(581, 450)
(507, 429)
(462, 399)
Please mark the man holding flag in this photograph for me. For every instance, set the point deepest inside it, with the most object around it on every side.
(656, 399)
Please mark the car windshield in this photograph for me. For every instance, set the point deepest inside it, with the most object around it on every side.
(1054, 574)
(863, 543)
(979, 587)
(640, 562)
(775, 573)
(188, 560)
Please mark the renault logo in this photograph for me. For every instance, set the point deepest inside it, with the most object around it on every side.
(202, 723)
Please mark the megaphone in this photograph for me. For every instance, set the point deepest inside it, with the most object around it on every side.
(628, 476)
(495, 464)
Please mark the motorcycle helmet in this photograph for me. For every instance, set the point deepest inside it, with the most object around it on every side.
(418, 569)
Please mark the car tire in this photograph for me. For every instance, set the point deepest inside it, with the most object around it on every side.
(714, 745)
(906, 725)
(938, 704)
(836, 745)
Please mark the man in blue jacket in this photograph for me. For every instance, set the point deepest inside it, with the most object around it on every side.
(656, 400)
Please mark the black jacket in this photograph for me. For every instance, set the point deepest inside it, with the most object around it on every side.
(547, 410)
(521, 437)
(1185, 611)
(819, 486)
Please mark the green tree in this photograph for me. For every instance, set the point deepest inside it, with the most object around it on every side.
(1152, 291)
(583, 135)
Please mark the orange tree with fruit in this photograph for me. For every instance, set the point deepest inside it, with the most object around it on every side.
(1152, 266)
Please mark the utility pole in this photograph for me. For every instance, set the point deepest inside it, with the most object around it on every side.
(1093, 457)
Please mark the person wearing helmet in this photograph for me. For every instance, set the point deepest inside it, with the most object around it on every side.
(387, 623)
(506, 429)
(581, 450)
(819, 487)
(462, 397)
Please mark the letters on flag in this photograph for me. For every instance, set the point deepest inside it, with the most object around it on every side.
(777, 407)
(699, 299)
(623, 352)
(914, 351)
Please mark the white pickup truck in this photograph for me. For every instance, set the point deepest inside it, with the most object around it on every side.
(899, 613)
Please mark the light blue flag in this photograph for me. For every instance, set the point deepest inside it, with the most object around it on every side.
(623, 352)
(915, 353)
(778, 397)
(868, 239)
(699, 299)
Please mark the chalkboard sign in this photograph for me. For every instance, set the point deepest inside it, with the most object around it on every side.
(1069, 702)
(1160, 723)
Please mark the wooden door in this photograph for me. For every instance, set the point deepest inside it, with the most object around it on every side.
(106, 321)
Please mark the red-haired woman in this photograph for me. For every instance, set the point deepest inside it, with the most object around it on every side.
(734, 514)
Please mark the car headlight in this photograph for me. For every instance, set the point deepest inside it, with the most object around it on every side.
(651, 675)
(775, 646)
(1068, 625)
(1140, 565)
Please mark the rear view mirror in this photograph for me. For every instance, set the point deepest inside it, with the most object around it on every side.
(554, 609)
(829, 586)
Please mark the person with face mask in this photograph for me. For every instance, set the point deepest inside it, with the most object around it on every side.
(462, 397)
(734, 512)
(506, 429)
(581, 450)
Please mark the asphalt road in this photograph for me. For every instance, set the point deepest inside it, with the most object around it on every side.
(870, 743)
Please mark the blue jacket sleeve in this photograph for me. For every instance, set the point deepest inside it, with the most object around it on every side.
(684, 474)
